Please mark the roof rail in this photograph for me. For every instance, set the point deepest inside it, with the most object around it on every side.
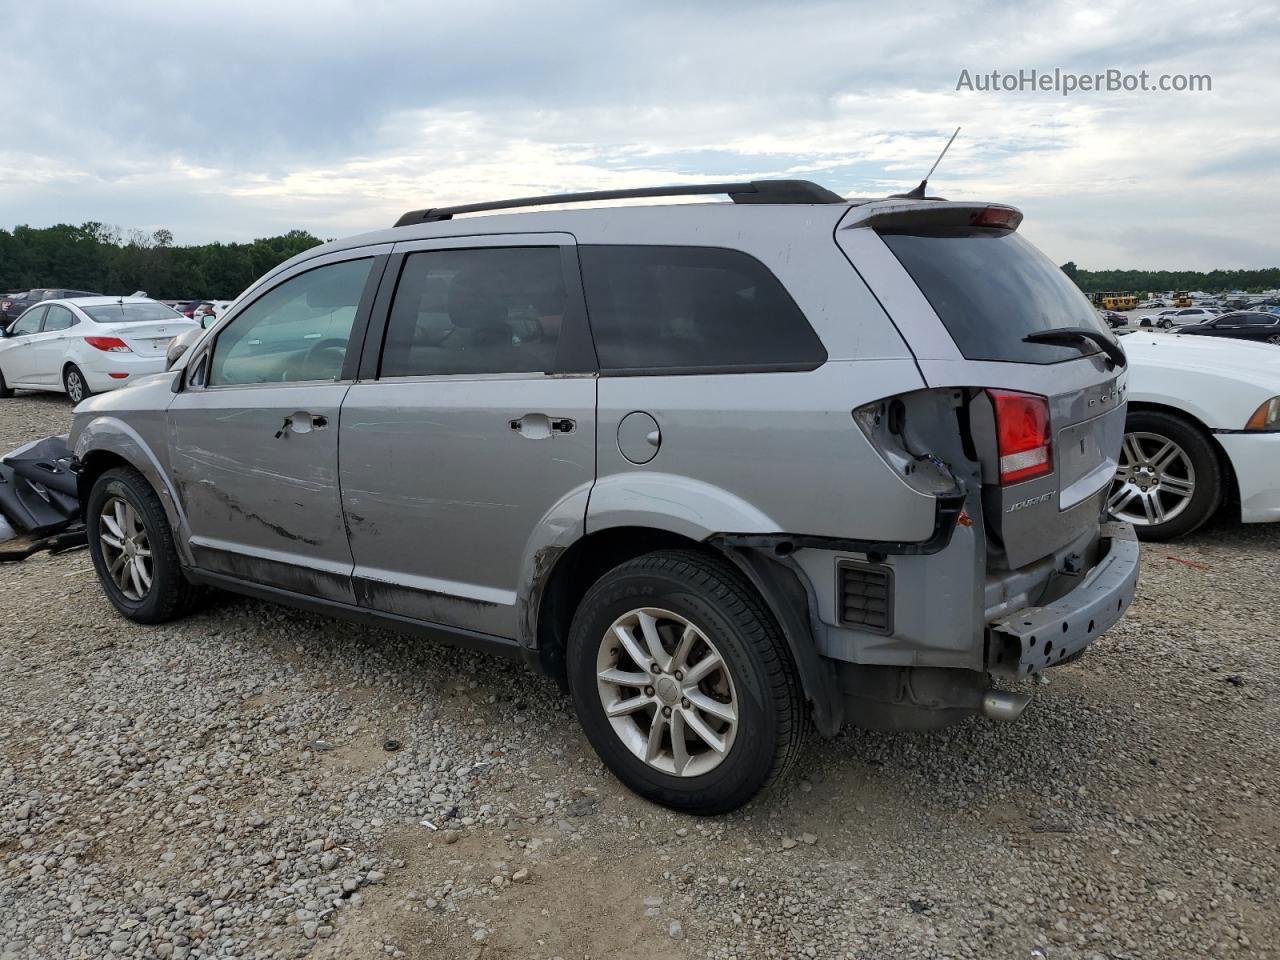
(754, 191)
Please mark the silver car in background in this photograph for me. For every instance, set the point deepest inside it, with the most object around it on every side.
(725, 470)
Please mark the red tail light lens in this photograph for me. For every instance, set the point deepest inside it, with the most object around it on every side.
(1022, 435)
(109, 344)
(1003, 218)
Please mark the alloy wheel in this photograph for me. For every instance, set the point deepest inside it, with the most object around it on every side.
(75, 386)
(667, 692)
(1154, 482)
(125, 548)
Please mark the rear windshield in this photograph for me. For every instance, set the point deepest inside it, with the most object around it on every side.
(131, 312)
(991, 288)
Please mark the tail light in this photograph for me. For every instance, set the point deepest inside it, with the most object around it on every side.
(108, 344)
(1022, 435)
(1002, 218)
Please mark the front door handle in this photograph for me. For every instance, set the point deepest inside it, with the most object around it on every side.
(301, 422)
(539, 426)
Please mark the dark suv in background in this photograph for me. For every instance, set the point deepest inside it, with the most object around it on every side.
(12, 306)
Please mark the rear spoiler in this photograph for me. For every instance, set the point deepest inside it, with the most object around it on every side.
(899, 214)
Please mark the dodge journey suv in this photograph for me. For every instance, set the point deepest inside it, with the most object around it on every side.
(727, 471)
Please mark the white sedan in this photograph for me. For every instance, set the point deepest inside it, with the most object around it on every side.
(1203, 430)
(87, 344)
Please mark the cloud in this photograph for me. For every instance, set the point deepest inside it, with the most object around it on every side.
(242, 119)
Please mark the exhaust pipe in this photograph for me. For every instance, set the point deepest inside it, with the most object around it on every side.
(1003, 705)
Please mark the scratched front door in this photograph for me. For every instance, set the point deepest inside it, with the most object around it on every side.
(254, 432)
(261, 494)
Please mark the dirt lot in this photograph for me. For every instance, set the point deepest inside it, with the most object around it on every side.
(224, 787)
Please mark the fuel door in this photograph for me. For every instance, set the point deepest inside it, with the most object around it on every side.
(639, 437)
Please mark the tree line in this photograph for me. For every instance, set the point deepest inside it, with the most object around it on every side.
(1153, 281)
(103, 259)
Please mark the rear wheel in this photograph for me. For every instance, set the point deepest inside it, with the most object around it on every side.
(74, 383)
(1274, 338)
(1169, 481)
(6, 391)
(683, 683)
(133, 548)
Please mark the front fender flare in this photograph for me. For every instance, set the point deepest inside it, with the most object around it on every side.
(112, 435)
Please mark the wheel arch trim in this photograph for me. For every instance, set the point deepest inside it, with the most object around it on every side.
(111, 435)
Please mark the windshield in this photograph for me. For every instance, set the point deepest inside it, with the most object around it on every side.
(991, 288)
(131, 312)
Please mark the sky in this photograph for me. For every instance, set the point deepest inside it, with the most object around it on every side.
(246, 118)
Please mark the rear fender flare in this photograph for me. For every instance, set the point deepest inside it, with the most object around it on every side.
(558, 529)
(665, 501)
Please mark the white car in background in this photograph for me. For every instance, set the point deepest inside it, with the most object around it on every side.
(1178, 318)
(1203, 429)
(87, 344)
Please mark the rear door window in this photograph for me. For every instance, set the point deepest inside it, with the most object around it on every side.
(58, 318)
(668, 309)
(473, 311)
(991, 288)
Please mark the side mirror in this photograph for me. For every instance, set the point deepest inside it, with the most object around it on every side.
(180, 345)
(207, 321)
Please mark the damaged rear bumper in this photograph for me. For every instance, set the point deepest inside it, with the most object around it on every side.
(1034, 638)
(39, 507)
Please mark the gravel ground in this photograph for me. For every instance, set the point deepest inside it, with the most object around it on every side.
(255, 782)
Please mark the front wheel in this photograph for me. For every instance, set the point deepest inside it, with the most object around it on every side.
(683, 683)
(1169, 480)
(6, 391)
(133, 548)
(74, 383)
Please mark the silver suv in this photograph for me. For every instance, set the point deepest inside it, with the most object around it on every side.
(725, 470)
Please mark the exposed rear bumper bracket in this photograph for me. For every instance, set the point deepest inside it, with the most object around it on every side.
(947, 515)
(1034, 638)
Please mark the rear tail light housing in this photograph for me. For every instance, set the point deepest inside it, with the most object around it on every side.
(1023, 437)
(1002, 218)
(108, 344)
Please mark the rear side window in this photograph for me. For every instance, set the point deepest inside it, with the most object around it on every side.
(678, 309)
(482, 310)
(58, 318)
(991, 288)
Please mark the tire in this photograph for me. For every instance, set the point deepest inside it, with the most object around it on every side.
(6, 391)
(1146, 431)
(1274, 338)
(1166, 324)
(74, 383)
(757, 679)
(169, 594)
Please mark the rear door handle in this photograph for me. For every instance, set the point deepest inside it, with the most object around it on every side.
(539, 426)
